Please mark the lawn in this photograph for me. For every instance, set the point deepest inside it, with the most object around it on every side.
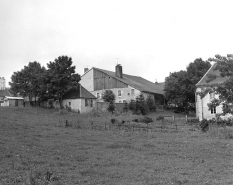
(37, 146)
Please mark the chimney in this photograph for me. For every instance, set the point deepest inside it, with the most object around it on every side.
(85, 70)
(119, 72)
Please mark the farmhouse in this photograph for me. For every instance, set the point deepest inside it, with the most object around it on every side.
(79, 100)
(202, 109)
(124, 86)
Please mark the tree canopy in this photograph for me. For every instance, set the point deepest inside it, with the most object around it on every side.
(35, 80)
(180, 86)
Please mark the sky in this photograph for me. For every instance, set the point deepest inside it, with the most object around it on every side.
(149, 38)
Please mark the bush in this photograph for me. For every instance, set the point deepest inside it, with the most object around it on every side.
(151, 103)
(204, 124)
(146, 119)
(125, 108)
(111, 108)
(141, 104)
(160, 118)
(109, 96)
(132, 105)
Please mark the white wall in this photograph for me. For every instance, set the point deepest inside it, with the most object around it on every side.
(202, 109)
(125, 94)
(78, 105)
(87, 80)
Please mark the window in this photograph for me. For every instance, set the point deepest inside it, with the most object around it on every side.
(212, 95)
(98, 95)
(213, 110)
(91, 103)
(119, 93)
(124, 101)
(86, 102)
(69, 104)
(132, 91)
(128, 94)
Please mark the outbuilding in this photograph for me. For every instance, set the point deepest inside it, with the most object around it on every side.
(10, 101)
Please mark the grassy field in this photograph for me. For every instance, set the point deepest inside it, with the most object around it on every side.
(38, 147)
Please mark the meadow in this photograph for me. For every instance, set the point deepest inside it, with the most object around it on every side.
(49, 147)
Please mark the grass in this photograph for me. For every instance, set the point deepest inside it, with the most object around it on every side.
(36, 147)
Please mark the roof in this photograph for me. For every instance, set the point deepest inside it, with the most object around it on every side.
(137, 82)
(4, 93)
(13, 98)
(79, 92)
(218, 80)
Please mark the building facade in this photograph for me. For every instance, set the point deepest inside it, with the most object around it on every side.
(202, 109)
(125, 87)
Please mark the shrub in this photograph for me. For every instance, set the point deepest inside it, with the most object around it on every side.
(132, 105)
(150, 103)
(126, 107)
(204, 124)
(111, 108)
(160, 118)
(146, 119)
(109, 96)
(141, 104)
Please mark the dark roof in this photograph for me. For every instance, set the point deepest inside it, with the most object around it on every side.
(4, 93)
(79, 92)
(218, 80)
(137, 82)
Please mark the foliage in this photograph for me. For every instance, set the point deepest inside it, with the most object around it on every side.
(61, 76)
(141, 105)
(126, 107)
(29, 81)
(160, 118)
(146, 119)
(111, 108)
(180, 86)
(109, 96)
(224, 90)
(150, 103)
(132, 105)
(204, 124)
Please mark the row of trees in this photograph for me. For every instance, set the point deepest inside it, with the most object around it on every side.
(180, 86)
(35, 80)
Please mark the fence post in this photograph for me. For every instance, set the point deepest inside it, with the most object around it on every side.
(186, 118)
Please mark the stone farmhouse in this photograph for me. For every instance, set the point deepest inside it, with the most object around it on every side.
(202, 109)
(124, 86)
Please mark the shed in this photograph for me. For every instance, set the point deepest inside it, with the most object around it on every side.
(10, 101)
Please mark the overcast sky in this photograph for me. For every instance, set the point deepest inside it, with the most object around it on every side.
(150, 38)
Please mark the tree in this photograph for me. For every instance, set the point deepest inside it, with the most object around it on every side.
(61, 77)
(176, 88)
(196, 71)
(150, 103)
(224, 90)
(29, 81)
(141, 105)
(180, 86)
(109, 96)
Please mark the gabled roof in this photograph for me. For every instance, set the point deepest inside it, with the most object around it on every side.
(4, 93)
(79, 92)
(218, 80)
(137, 82)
